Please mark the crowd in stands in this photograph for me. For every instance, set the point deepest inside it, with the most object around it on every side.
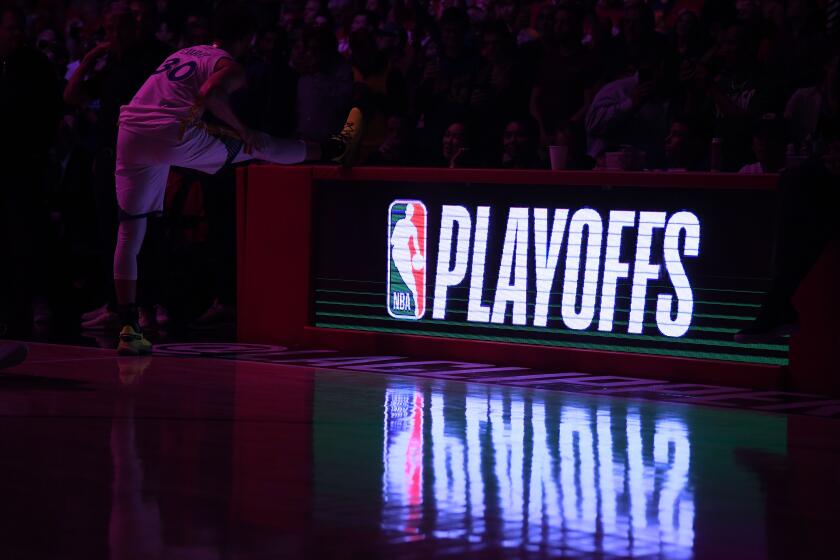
(746, 86)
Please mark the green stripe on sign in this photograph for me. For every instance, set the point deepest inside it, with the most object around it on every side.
(620, 323)
(598, 334)
(585, 346)
(554, 305)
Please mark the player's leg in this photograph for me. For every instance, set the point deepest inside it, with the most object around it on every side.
(340, 148)
(280, 150)
(130, 235)
(210, 151)
(140, 193)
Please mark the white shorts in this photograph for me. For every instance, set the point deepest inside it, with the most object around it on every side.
(144, 157)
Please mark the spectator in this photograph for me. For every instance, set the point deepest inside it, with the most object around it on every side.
(684, 147)
(362, 20)
(457, 146)
(769, 142)
(396, 147)
(380, 91)
(800, 42)
(688, 43)
(573, 137)
(449, 73)
(310, 11)
(739, 94)
(639, 35)
(632, 111)
(520, 144)
(196, 30)
(566, 75)
(325, 87)
(808, 106)
(500, 90)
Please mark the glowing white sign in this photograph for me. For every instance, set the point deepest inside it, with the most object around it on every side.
(591, 272)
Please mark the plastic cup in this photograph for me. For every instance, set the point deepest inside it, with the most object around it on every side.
(559, 156)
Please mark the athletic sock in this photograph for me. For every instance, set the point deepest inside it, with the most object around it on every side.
(129, 316)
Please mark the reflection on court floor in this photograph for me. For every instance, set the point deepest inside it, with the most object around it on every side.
(511, 471)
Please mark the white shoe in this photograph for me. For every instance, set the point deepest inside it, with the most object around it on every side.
(94, 313)
(217, 314)
(161, 316)
(103, 322)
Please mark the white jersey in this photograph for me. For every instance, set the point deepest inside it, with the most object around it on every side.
(170, 93)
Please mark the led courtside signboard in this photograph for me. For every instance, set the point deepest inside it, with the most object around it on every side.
(661, 271)
(591, 244)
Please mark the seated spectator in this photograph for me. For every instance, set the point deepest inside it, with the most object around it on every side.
(520, 144)
(684, 147)
(739, 94)
(808, 105)
(631, 111)
(769, 141)
(396, 148)
(573, 137)
(325, 88)
(458, 147)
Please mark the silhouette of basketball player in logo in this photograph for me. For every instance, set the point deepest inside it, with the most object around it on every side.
(408, 253)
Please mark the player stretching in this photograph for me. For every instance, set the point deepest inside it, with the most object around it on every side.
(162, 127)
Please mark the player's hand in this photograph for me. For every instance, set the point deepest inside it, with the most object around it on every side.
(253, 140)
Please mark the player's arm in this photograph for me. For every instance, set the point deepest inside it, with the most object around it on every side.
(215, 95)
(74, 91)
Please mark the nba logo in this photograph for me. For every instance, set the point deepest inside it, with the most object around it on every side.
(407, 259)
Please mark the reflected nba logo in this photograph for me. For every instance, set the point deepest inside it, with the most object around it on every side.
(406, 259)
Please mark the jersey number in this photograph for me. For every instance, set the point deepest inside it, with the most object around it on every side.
(175, 71)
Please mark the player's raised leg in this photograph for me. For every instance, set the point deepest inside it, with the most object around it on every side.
(340, 147)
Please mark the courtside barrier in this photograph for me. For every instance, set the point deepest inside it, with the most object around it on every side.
(646, 274)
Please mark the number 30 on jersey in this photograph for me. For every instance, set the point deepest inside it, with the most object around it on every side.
(176, 71)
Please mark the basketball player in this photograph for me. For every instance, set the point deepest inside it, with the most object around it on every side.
(162, 127)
